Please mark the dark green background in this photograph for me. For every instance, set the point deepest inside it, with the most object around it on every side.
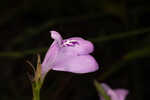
(119, 29)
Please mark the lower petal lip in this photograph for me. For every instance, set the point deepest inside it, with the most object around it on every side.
(77, 64)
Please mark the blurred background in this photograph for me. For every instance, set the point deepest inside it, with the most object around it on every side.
(119, 29)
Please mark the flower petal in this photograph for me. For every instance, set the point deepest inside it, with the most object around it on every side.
(76, 64)
(56, 36)
(122, 93)
(50, 57)
(78, 46)
(117, 94)
(109, 92)
(52, 52)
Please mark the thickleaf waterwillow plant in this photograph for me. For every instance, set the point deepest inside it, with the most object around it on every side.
(71, 55)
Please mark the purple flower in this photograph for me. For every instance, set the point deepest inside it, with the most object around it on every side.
(71, 55)
(115, 94)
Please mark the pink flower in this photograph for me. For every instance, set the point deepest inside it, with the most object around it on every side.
(115, 94)
(71, 55)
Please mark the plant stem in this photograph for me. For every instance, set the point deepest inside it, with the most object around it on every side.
(36, 91)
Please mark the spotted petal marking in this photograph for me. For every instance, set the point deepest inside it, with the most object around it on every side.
(70, 43)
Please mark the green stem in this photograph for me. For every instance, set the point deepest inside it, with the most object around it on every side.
(36, 91)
